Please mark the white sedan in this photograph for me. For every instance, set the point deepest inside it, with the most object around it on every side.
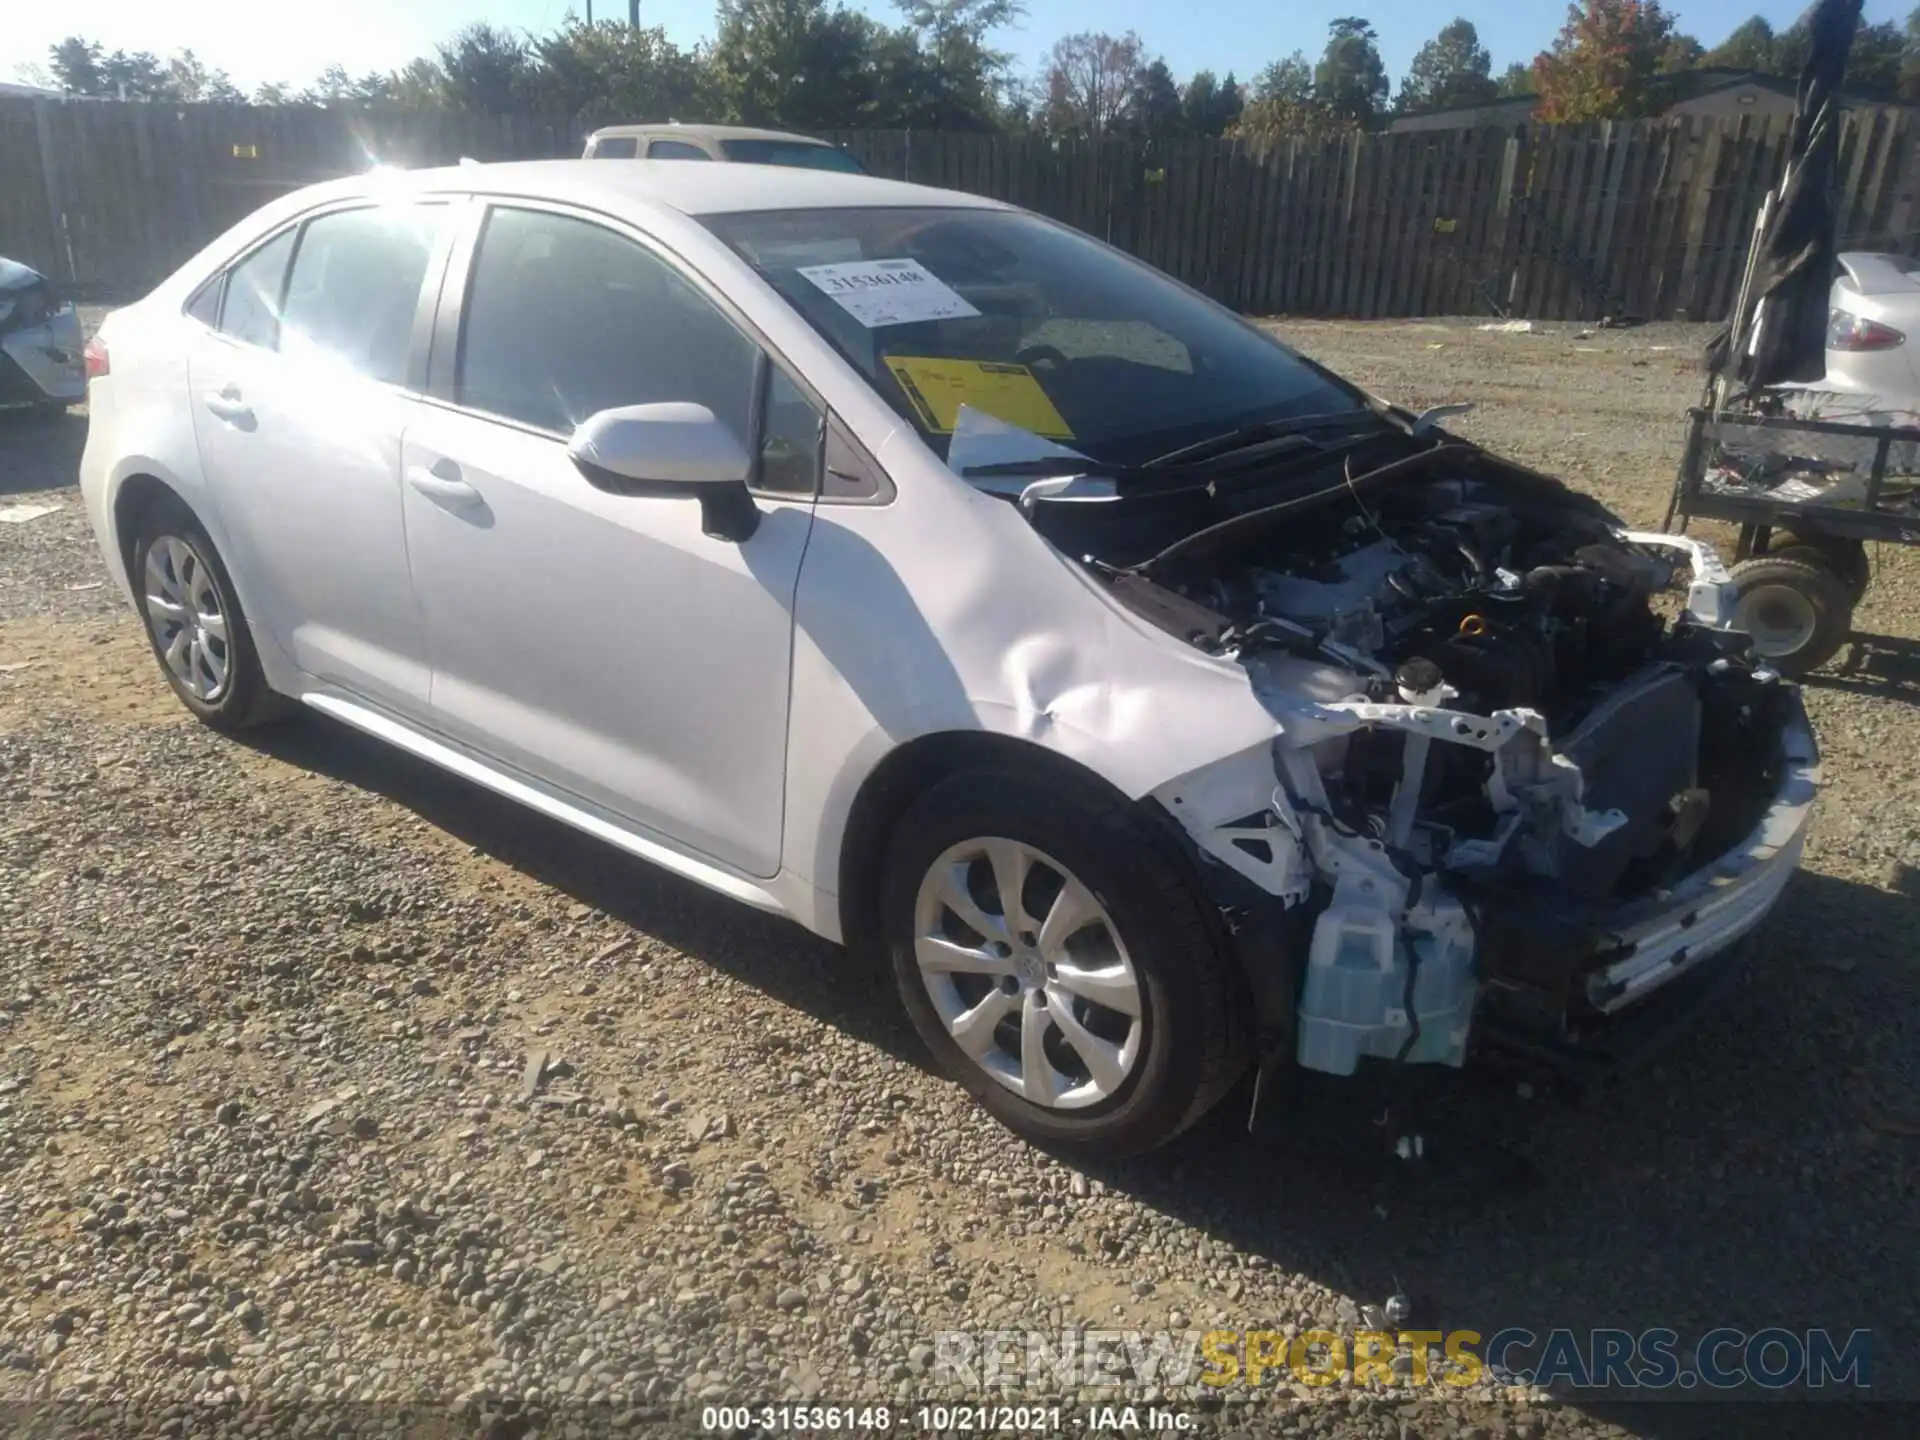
(927, 572)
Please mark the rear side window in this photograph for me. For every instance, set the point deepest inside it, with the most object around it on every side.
(615, 147)
(564, 318)
(675, 150)
(795, 153)
(205, 304)
(356, 284)
(251, 311)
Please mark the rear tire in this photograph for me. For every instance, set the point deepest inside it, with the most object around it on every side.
(1845, 558)
(1040, 994)
(194, 622)
(1798, 614)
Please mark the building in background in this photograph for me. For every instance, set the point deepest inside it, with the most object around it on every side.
(1718, 94)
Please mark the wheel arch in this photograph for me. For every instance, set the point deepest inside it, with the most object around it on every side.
(902, 775)
(135, 495)
(908, 770)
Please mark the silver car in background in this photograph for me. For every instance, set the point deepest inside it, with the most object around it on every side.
(1873, 340)
(41, 366)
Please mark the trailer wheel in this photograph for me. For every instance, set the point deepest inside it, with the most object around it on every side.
(1846, 558)
(1797, 612)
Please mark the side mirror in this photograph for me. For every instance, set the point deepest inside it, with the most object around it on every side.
(666, 450)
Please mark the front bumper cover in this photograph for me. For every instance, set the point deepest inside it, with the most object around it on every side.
(1597, 987)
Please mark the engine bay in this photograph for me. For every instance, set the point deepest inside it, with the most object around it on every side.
(1452, 584)
(1487, 706)
(1450, 595)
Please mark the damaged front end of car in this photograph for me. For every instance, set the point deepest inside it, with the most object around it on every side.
(1509, 802)
(41, 342)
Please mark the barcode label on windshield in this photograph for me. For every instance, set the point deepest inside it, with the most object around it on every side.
(888, 292)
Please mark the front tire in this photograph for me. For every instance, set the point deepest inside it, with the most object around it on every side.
(194, 622)
(1055, 956)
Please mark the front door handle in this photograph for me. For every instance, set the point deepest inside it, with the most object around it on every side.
(228, 405)
(442, 483)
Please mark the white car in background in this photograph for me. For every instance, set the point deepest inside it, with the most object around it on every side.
(729, 144)
(1873, 341)
(920, 569)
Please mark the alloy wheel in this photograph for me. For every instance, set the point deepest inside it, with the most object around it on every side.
(1028, 973)
(188, 617)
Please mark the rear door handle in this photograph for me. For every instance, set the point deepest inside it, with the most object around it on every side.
(442, 482)
(228, 405)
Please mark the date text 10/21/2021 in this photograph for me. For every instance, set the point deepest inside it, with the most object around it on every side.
(1725, 1359)
(941, 1419)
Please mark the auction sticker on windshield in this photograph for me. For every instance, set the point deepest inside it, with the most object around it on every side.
(938, 387)
(888, 292)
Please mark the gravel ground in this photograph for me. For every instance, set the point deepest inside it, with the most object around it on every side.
(330, 1084)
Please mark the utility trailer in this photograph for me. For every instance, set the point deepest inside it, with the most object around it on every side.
(1807, 493)
(1807, 496)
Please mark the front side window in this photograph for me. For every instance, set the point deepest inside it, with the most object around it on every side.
(356, 285)
(616, 147)
(675, 150)
(1008, 314)
(796, 153)
(565, 318)
(251, 311)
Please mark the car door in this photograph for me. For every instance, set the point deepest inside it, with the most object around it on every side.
(603, 643)
(300, 393)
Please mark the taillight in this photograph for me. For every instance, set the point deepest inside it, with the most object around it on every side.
(97, 362)
(1850, 332)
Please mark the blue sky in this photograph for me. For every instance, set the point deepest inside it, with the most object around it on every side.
(293, 43)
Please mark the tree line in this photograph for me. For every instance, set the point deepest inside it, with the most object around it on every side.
(815, 65)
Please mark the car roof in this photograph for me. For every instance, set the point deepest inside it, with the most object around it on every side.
(705, 132)
(670, 184)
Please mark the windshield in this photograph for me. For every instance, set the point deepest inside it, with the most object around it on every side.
(790, 152)
(1029, 322)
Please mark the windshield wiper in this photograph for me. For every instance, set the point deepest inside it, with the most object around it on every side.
(1270, 438)
(1048, 467)
(1274, 436)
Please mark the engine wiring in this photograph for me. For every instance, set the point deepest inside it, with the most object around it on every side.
(1346, 474)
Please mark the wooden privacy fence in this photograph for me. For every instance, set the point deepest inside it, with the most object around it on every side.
(113, 196)
(1568, 222)
(1574, 222)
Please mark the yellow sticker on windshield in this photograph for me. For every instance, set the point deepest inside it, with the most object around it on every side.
(938, 388)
